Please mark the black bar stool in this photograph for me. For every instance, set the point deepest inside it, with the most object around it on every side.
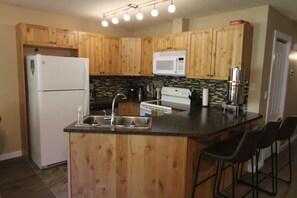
(226, 151)
(286, 130)
(270, 132)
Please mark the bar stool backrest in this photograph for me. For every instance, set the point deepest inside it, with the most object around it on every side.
(287, 128)
(269, 133)
(246, 148)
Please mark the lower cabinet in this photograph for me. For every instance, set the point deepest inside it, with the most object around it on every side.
(129, 108)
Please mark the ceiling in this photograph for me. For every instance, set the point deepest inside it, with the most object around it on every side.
(94, 9)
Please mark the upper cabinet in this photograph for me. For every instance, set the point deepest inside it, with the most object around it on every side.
(38, 35)
(176, 41)
(111, 56)
(214, 51)
(131, 56)
(147, 50)
(232, 46)
(91, 46)
(200, 54)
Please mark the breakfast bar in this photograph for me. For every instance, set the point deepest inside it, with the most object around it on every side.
(156, 162)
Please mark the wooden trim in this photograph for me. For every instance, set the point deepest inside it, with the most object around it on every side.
(22, 91)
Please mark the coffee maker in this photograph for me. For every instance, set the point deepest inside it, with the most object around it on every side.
(235, 99)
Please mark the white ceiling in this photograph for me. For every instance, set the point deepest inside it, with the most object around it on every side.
(94, 9)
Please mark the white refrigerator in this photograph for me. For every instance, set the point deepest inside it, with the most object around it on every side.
(56, 87)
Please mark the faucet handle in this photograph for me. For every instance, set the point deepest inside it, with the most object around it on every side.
(104, 112)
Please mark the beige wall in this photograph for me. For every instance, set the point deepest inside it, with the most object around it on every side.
(277, 21)
(9, 103)
(10, 138)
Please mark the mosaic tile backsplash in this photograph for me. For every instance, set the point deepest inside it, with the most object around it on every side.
(108, 86)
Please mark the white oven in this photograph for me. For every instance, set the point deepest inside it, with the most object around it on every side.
(172, 99)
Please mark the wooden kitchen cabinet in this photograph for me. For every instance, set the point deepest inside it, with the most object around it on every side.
(129, 108)
(169, 42)
(147, 50)
(232, 46)
(111, 56)
(46, 36)
(200, 54)
(214, 51)
(130, 56)
(91, 46)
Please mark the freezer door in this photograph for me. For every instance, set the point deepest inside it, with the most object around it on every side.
(57, 110)
(60, 73)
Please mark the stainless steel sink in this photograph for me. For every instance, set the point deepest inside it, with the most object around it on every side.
(136, 122)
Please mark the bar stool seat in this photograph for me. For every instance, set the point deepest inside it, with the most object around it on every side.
(234, 154)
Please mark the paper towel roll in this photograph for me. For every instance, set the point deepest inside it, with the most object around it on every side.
(205, 97)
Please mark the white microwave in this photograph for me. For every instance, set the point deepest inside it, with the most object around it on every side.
(170, 63)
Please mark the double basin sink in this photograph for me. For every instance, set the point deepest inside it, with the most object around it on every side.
(131, 122)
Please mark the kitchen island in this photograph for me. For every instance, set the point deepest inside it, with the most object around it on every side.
(155, 162)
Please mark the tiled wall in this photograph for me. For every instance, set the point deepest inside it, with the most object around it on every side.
(108, 86)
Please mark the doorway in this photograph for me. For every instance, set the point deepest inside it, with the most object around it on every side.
(278, 79)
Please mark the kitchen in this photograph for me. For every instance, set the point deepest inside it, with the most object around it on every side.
(259, 67)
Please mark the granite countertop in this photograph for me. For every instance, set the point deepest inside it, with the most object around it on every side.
(194, 122)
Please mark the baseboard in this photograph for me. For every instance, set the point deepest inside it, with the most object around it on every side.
(293, 139)
(261, 160)
(10, 155)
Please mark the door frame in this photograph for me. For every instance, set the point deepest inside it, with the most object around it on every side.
(288, 40)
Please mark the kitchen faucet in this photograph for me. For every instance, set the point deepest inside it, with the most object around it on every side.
(113, 115)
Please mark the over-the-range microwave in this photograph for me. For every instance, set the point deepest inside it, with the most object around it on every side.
(170, 63)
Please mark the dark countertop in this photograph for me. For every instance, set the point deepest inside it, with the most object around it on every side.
(195, 122)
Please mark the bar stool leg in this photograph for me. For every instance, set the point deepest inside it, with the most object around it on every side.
(290, 162)
(196, 176)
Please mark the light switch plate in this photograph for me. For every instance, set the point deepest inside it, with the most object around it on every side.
(252, 86)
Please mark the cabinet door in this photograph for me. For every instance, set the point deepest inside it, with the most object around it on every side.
(179, 41)
(162, 43)
(65, 38)
(111, 56)
(129, 109)
(147, 56)
(228, 49)
(90, 46)
(37, 35)
(199, 60)
(131, 56)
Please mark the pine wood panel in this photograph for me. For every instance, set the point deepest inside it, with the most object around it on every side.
(147, 50)
(111, 56)
(131, 56)
(20, 34)
(228, 50)
(37, 34)
(49, 36)
(162, 43)
(112, 165)
(176, 41)
(200, 54)
(90, 46)
(179, 41)
(105, 165)
(129, 108)
(65, 38)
